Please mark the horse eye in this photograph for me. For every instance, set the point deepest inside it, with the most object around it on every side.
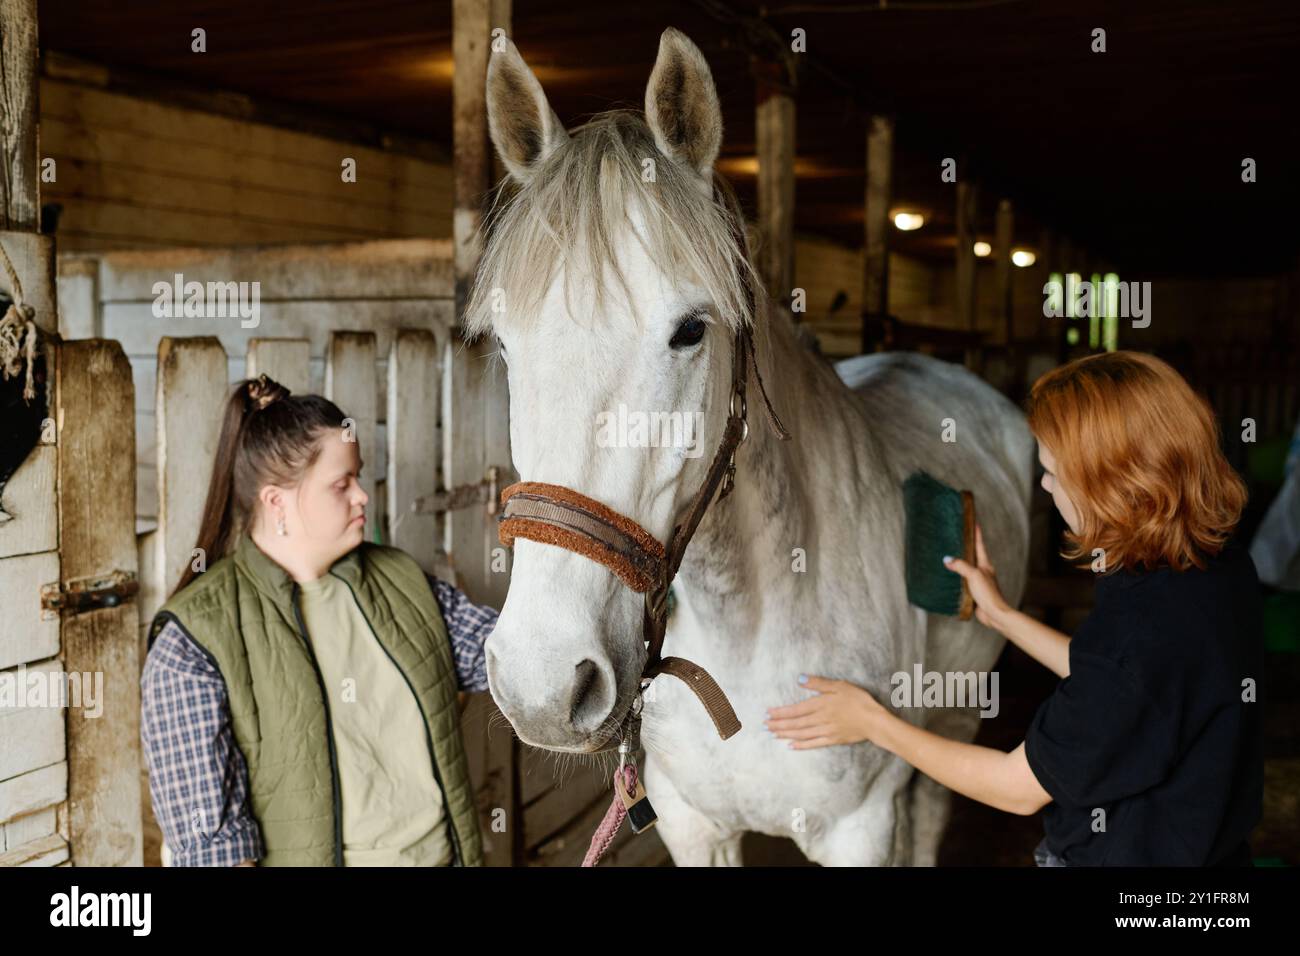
(689, 332)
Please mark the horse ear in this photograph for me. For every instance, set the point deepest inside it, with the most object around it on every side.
(681, 104)
(524, 128)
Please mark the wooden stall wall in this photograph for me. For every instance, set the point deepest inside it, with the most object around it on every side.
(133, 173)
(33, 740)
(823, 269)
(921, 293)
(303, 292)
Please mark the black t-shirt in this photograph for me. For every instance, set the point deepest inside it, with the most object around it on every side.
(1150, 726)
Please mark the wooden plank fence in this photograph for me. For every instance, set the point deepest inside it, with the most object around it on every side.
(366, 324)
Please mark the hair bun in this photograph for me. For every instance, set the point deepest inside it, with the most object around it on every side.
(263, 391)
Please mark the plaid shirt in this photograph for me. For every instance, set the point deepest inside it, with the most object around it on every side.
(197, 776)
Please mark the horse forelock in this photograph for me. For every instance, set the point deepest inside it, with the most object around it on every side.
(576, 214)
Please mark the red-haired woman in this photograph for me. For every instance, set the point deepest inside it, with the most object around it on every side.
(1149, 752)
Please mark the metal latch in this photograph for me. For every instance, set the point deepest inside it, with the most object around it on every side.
(89, 594)
(485, 492)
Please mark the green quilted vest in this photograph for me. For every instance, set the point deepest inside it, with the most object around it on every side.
(243, 611)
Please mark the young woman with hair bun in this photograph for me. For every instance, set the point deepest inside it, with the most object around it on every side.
(300, 695)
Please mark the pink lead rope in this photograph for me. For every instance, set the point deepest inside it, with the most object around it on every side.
(608, 828)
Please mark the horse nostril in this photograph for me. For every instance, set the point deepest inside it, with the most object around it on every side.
(588, 706)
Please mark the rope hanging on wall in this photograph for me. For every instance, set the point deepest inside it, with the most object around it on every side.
(23, 406)
(17, 333)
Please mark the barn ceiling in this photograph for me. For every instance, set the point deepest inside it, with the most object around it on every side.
(1135, 153)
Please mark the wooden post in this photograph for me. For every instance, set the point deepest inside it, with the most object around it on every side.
(472, 24)
(875, 266)
(1045, 328)
(20, 198)
(1002, 240)
(774, 133)
(1069, 262)
(493, 757)
(33, 747)
(96, 407)
(965, 278)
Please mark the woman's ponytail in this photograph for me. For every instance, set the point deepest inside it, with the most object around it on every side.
(267, 437)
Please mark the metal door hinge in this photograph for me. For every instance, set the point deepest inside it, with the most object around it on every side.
(88, 594)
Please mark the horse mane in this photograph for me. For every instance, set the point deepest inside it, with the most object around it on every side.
(574, 210)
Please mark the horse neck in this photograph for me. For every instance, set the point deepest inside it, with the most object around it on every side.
(744, 543)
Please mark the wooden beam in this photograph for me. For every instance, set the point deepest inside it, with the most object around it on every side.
(1003, 233)
(875, 274)
(965, 263)
(20, 195)
(774, 134)
(493, 757)
(172, 91)
(472, 24)
(1045, 328)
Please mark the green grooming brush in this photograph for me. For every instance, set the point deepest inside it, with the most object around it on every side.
(940, 521)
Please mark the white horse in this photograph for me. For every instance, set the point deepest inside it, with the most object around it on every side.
(626, 203)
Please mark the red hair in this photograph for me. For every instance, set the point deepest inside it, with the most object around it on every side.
(1137, 452)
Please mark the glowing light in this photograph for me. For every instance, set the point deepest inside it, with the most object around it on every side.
(983, 249)
(1110, 324)
(1023, 257)
(907, 221)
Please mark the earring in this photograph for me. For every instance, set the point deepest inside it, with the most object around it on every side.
(280, 529)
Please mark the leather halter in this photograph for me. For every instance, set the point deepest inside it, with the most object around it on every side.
(560, 516)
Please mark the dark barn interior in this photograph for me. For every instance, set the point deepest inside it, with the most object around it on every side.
(1168, 158)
